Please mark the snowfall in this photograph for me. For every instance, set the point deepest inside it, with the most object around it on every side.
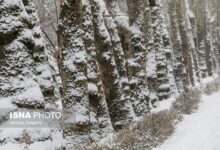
(200, 130)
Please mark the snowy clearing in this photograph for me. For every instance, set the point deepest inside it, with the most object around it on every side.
(198, 131)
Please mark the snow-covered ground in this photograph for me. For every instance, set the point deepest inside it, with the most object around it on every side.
(200, 130)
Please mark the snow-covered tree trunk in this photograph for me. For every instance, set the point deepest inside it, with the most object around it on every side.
(137, 58)
(213, 7)
(41, 60)
(186, 47)
(120, 109)
(218, 33)
(191, 28)
(151, 66)
(121, 21)
(118, 53)
(25, 79)
(99, 114)
(163, 87)
(179, 70)
(201, 34)
(23, 61)
(208, 39)
(169, 53)
(75, 98)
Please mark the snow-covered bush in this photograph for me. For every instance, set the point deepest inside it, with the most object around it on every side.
(155, 128)
(187, 101)
(212, 87)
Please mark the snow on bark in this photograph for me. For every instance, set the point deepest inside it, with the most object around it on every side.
(23, 59)
(187, 53)
(201, 34)
(163, 86)
(99, 113)
(208, 39)
(118, 53)
(118, 58)
(168, 53)
(25, 77)
(218, 35)
(178, 66)
(191, 23)
(137, 59)
(75, 98)
(120, 108)
(151, 66)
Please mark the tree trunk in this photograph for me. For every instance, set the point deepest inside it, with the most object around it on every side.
(163, 87)
(191, 27)
(75, 99)
(179, 69)
(120, 109)
(187, 53)
(99, 113)
(137, 58)
(151, 65)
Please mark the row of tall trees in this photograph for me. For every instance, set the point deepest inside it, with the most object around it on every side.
(120, 57)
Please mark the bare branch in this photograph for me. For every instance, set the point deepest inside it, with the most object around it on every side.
(48, 38)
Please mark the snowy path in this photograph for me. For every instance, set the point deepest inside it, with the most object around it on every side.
(200, 130)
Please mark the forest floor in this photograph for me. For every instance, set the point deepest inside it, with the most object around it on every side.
(200, 130)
